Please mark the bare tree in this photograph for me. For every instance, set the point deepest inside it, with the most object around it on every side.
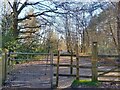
(17, 8)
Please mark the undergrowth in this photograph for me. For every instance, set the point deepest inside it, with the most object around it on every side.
(90, 83)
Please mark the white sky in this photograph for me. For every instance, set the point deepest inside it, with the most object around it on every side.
(89, 0)
(69, 0)
(65, 0)
(1, 4)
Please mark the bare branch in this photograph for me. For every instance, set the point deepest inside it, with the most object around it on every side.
(35, 15)
(113, 36)
(23, 5)
(27, 31)
(10, 4)
(33, 26)
(25, 37)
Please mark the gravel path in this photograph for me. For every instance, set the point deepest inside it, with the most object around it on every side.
(33, 75)
(30, 75)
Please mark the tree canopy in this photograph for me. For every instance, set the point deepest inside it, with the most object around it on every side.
(30, 24)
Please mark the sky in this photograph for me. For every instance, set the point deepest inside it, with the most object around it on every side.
(69, 0)
(21, 15)
(63, 1)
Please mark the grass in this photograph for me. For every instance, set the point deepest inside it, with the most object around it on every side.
(90, 83)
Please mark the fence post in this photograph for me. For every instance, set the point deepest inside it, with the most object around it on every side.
(94, 62)
(4, 67)
(51, 69)
(77, 62)
(57, 73)
(71, 63)
(77, 68)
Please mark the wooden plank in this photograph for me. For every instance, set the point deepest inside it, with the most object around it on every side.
(109, 81)
(68, 54)
(99, 65)
(68, 65)
(89, 56)
(84, 76)
(73, 75)
(86, 56)
(74, 55)
(65, 55)
(108, 71)
(28, 59)
(105, 56)
(18, 82)
(111, 71)
(26, 53)
(117, 76)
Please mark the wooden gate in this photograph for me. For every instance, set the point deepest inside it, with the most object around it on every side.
(109, 69)
(43, 68)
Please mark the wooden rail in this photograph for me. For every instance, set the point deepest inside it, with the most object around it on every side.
(74, 75)
(68, 65)
(99, 65)
(118, 82)
(26, 53)
(108, 71)
(117, 76)
(88, 56)
(85, 76)
(111, 71)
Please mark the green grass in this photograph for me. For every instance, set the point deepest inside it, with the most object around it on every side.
(76, 83)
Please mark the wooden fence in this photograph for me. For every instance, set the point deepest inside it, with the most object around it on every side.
(94, 67)
(8, 63)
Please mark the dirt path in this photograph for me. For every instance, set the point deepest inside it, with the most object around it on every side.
(34, 75)
(30, 75)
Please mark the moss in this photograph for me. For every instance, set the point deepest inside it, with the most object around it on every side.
(76, 83)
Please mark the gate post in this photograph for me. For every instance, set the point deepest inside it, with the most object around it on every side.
(77, 68)
(51, 69)
(57, 73)
(71, 63)
(4, 67)
(94, 62)
(77, 62)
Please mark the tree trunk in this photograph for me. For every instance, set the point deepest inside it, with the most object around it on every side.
(83, 42)
(15, 20)
(68, 35)
(15, 25)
